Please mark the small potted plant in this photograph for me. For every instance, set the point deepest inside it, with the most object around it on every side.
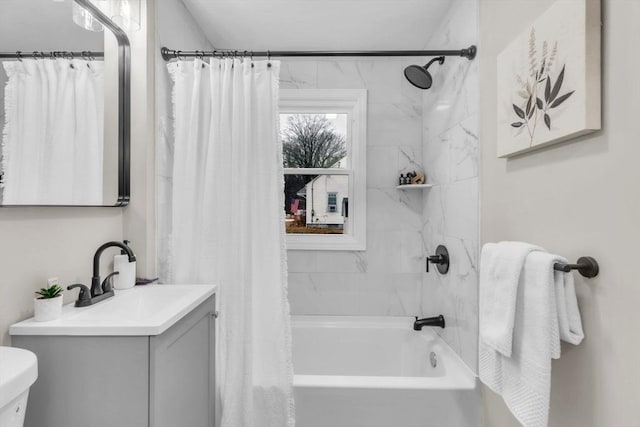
(48, 303)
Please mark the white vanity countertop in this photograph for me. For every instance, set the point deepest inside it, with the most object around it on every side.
(141, 310)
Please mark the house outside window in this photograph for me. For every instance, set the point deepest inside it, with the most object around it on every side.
(324, 157)
(332, 202)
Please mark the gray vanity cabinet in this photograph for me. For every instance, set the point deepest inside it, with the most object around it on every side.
(126, 381)
(181, 370)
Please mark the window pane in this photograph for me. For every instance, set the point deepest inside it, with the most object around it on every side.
(316, 204)
(314, 140)
(332, 202)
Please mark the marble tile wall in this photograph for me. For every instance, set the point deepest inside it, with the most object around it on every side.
(386, 279)
(450, 213)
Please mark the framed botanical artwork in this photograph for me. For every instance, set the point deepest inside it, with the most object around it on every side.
(549, 79)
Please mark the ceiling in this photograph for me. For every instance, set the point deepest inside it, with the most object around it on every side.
(318, 24)
(29, 25)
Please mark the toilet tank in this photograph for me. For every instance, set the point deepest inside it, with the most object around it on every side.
(18, 371)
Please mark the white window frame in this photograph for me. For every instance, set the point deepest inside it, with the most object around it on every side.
(338, 101)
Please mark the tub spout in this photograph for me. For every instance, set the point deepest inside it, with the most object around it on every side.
(428, 321)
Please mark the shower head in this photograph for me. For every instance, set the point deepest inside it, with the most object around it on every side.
(419, 76)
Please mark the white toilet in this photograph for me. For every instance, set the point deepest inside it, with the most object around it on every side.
(18, 371)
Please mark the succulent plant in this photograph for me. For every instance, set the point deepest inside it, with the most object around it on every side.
(49, 292)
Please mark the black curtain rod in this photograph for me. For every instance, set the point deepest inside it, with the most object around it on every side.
(51, 55)
(168, 54)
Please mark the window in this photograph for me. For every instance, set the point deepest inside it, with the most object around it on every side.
(323, 135)
(332, 202)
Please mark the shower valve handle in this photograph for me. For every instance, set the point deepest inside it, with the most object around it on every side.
(441, 259)
(434, 259)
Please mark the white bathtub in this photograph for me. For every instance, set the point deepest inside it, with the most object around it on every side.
(377, 372)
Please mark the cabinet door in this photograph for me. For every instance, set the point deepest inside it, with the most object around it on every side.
(88, 381)
(182, 371)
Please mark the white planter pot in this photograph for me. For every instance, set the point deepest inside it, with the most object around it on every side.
(47, 309)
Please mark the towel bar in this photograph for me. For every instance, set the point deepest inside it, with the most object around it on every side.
(586, 265)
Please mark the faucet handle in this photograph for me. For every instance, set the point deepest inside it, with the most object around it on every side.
(106, 283)
(84, 294)
(440, 259)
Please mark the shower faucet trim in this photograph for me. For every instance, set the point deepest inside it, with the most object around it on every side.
(436, 321)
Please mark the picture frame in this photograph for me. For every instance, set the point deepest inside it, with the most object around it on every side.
(549, 79)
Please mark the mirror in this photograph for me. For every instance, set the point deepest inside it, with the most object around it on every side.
(64, 105)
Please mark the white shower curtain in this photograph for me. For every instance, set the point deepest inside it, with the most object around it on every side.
(52, 148)
(228, 227)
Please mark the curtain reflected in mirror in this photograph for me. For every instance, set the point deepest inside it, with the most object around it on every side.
(52, 151)
(59, 108)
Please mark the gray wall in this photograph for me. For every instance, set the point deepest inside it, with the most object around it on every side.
(38, 243)
(576, 198)
(140, 215)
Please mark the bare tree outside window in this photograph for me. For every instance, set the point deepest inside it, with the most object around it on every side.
(310, 141)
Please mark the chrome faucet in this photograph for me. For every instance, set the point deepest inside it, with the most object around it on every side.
(428, 321)
(100, 292)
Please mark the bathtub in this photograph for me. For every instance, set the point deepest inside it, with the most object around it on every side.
(378, 372)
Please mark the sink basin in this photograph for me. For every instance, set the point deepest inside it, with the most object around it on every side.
(135, 305)
(142, 310)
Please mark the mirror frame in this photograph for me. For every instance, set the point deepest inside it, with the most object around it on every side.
(124, 109)
(124, 101)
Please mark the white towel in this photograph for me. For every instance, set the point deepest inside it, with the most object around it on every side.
(546, 311)
(569, 320)
(501, 265)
